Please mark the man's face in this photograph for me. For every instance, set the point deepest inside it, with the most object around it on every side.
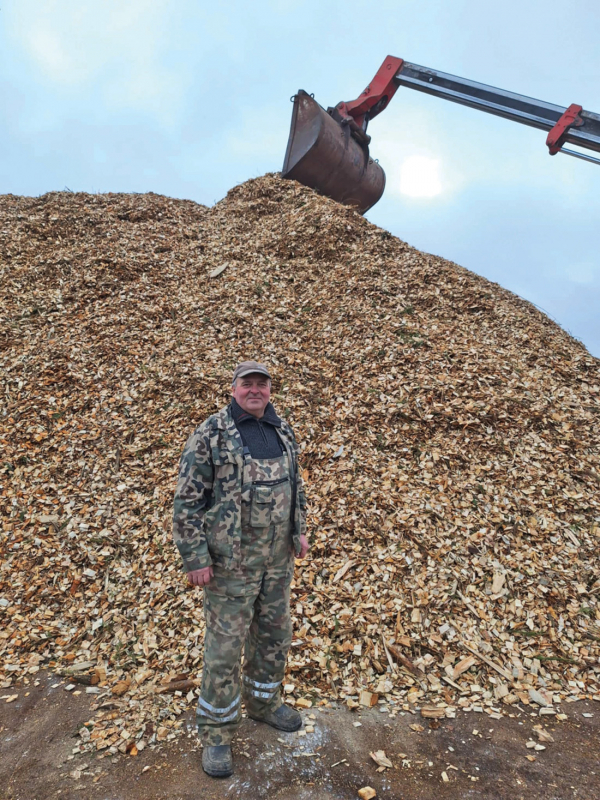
(252, 393)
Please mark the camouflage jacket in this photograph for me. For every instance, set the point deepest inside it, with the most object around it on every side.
(207, 524)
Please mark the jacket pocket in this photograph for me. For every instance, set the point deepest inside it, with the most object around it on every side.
(225, 463)
(260, 513)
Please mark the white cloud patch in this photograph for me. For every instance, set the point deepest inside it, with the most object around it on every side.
(420, 177)
(117, 50)
(46, 47)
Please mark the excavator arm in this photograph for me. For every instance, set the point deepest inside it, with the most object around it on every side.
(328, 150)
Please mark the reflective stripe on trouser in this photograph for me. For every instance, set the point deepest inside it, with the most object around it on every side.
(219, 715)
(263, 691)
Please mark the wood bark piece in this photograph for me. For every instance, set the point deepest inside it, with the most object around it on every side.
(85, 680)
(488, 661)
(178, 686)
(405, 661)
(388, 655)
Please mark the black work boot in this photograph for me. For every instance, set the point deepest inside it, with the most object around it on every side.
(217, 761)
(284, 719)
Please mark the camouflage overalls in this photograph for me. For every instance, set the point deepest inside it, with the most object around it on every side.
(235, 513)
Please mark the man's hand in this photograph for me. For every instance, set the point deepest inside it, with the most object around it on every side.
(201, 577)
(304, 546)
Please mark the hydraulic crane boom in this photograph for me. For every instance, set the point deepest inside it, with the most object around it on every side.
(328, 150)
(572, 124)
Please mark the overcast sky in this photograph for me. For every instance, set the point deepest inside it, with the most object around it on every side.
(187, 98)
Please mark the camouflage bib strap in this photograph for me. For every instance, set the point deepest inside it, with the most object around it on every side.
(270, 634)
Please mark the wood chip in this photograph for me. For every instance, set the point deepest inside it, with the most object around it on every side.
(543, 735)
(367, 793)
(463, 665)
(498, 582)
(217, 271)
(539, 698)
(368, 699)
(380, 758)
(343, 570)
(433, 712)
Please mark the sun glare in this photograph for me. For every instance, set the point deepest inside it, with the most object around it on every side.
(419, 177)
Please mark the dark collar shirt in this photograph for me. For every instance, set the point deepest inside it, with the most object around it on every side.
(258, 435)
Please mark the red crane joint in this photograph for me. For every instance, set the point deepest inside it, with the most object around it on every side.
(556, 137)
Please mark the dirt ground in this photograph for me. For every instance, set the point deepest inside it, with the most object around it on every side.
(481, 757)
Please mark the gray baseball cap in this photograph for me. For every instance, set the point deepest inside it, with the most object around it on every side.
(249, 368)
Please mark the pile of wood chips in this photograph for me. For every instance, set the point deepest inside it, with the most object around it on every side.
(450, 436)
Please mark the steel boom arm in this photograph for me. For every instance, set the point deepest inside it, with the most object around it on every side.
(584, 129)
(571, 124)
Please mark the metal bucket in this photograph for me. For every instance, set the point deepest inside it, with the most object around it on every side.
(322, 154)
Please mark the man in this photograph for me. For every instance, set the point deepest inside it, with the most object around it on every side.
(239, 517)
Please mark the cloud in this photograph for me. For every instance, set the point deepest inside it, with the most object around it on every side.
(116, 51)
(46, 47)
(420, 177)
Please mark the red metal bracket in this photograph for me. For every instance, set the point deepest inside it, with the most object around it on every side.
(376, 96)
(556, 137)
